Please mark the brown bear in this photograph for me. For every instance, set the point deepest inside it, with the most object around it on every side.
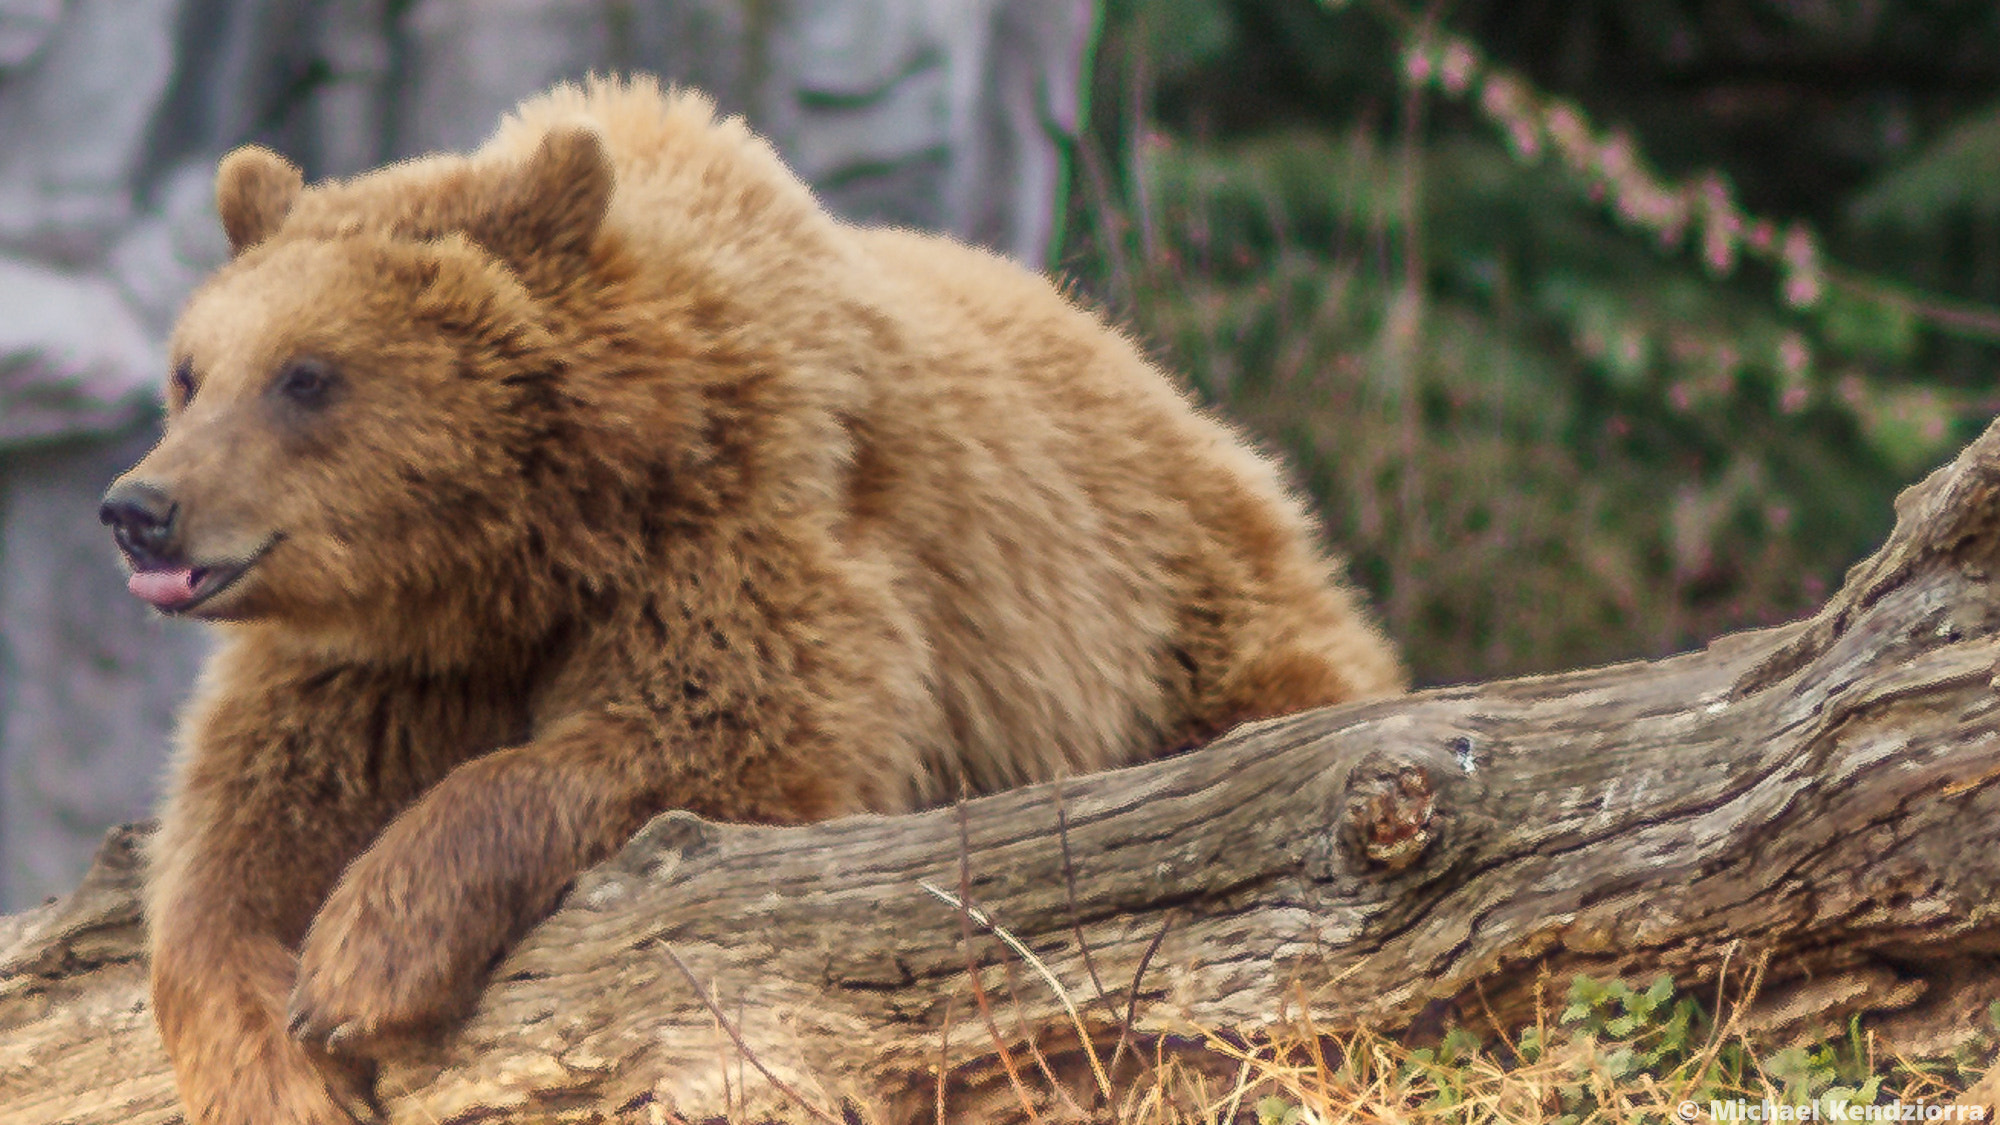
(600, 472)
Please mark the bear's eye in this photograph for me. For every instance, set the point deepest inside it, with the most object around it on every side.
(182, 384)
(306, 382)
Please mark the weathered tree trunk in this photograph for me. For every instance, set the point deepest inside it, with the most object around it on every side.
(1818, 798)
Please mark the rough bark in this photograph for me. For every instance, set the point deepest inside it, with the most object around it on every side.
(1818, 799)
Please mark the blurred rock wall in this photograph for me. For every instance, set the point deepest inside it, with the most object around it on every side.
(949, 114)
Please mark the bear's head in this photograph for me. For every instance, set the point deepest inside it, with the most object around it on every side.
(359, 399)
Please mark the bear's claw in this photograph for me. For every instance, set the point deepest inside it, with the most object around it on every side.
(306, 1027)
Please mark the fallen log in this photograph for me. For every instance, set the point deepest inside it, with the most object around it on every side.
(1818, 799)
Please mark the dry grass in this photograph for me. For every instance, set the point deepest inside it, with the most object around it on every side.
(1587, 1051)
(1604, 1052)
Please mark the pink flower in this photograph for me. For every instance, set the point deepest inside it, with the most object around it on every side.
(1802, 288)
(1457, 66)
(1615, 158)
(1718, 247)
(1793, 354)
(1714, 192)
(1501, 97)
(1800, 250)
(1566, 125)
(1417, 66)
(1631, 347)
(1527, 140)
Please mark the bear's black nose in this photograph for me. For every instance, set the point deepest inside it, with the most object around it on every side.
(141, 518)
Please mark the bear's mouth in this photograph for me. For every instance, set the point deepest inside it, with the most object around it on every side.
(183, 589)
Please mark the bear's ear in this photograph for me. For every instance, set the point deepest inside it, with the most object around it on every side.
(552, 205)
(254, 191)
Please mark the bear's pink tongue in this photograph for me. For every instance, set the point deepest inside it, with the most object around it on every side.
(165, 589)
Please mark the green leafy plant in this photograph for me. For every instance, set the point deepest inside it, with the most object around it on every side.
(1562, 399)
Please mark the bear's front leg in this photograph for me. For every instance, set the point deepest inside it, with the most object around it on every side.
(229, 902)
(405, 941)
(219, 1001)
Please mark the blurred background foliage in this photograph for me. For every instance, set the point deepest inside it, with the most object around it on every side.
(1597, 328)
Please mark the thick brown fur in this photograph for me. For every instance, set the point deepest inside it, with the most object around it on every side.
(626, 479)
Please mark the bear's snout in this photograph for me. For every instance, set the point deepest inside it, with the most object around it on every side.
(141, 518)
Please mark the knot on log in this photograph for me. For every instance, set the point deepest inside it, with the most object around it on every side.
(1390, 816)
